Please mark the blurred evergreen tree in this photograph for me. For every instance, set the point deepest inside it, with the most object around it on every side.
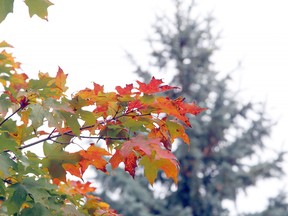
(227, 140)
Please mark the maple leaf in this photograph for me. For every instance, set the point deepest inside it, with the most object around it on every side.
(60, 80)
(130, 163)
(6, 7)
(153, 86)
(168, 131)
(178, 108)
(136, 104)
(56, 157)
(126, 90)
(139, 147)
(163, 134)
(87, 94)
(177, 130)
(76, 187)
(192, 108)
(73, 169)
(140, 144)
(116, 159)
(4, 43)
(18, 81)
(93, 156)
(152, 166)
(98, 88)
(38, 7)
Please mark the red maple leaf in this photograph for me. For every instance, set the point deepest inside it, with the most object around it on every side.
(126, 90)
(136, 104)
(178, 108)
(98, 88)
(153, 86)
(130, 163)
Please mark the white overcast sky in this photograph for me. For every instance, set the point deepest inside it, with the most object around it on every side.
(87, 40)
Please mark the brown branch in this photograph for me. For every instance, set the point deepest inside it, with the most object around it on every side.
(70, 133)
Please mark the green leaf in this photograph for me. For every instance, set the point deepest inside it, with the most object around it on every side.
(15, 201)
(36, 210)
(57, 105)
(177, 131)
(54, 119)
(8, 166)
(88, 117)
(6, 7)
(38, 7)
(137, 124)
(2, 188)
(7, 143)
(150, 169)
(5, 104)
(31, 162)
(71, 210)
(72, 122)
(38, 189)
(37, 115)
(55, 157)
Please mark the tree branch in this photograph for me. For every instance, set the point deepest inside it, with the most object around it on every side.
(70, 133)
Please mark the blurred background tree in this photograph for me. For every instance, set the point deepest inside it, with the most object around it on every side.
(227, 141)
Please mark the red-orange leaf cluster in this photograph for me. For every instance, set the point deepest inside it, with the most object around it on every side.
(138, 125)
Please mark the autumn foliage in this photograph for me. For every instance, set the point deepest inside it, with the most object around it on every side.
(137, 124)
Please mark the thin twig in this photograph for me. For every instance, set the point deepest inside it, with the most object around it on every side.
(51, 133)
(99, 137)
(11, 115)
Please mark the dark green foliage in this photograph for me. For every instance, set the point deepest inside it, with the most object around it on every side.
(227, 140)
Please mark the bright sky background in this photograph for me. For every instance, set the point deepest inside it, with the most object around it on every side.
(87, 40)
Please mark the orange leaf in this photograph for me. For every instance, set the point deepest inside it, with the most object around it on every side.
(93, 156)
(25, 116)
(76, 187)
(116, 159)
(163, 135)
(98, 88)
(18, 81)
(73, 169)
(193, 108)
(82, 188)
(60, 80)
(5, 44)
